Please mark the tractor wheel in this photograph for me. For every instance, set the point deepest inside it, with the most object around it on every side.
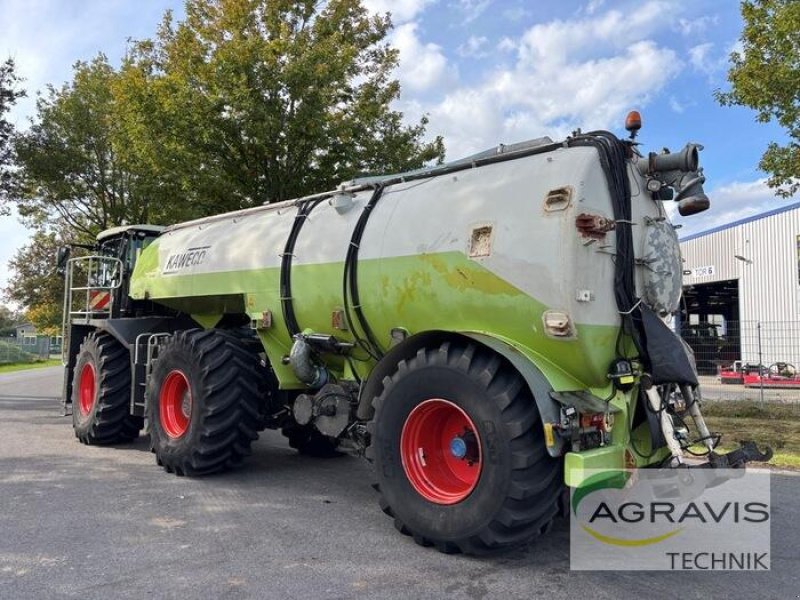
(205, 395)
(101, 392)
(307, 440)
(459, 452)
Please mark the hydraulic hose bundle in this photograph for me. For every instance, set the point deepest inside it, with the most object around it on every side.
(613, 158)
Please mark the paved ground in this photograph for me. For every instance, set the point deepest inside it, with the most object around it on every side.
(79, 522)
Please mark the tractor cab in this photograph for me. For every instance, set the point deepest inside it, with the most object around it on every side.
(96, 285)
(96, 288)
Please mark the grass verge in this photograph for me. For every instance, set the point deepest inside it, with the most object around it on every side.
(52, 362)
(772, 424)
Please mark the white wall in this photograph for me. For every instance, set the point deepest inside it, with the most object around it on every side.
(769, 288)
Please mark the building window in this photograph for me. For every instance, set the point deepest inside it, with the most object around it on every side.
(798, 259)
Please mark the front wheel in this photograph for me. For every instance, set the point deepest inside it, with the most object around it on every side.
(459, 452)
(101, 392)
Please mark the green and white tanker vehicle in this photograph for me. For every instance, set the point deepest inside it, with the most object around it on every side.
(484, 332)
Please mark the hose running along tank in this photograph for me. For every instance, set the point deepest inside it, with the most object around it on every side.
(484, 332)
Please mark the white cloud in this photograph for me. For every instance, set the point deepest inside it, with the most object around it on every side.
(593, 6)
(586, 72)
(710, 60)
(698, 25)
(507, 45)
(471, 9)
(736, 47)
(675, 105)
(730, 202)
(473, 47)
(516, 14)
(423, 66)
(402, 10)
(590, 36)
(700, 57)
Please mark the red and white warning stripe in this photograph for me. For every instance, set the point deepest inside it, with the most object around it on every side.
(99, 300)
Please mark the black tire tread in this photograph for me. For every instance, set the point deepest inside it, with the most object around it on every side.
(111, 421)
(234, 383)
(533, 501)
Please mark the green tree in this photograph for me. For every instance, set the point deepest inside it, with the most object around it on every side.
(35, 284)
(8, 320)
(9, 94)
(765, 76)
(248, 101)
(71, 169)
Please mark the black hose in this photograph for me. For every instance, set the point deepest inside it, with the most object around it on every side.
(287, 305)
(352, 300)
(613, 159)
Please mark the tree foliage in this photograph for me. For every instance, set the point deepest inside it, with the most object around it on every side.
(247, 101)
(35, 284)
(242, 102)
(9, 94)
(8, 320)
(71, 169)
(765, 76)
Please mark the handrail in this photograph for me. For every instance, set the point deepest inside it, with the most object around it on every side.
(102, 274)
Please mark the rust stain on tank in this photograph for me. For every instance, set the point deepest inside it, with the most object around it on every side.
(469, 277)
(593, 226)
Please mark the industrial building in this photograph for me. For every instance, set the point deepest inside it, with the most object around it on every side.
(742, 284)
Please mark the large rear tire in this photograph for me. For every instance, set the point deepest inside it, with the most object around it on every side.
(459, 452)
(101, 388)
(206, 391)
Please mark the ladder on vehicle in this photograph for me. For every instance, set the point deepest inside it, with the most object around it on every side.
(89, 286)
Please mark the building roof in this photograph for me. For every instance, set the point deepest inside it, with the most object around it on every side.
(763, 215)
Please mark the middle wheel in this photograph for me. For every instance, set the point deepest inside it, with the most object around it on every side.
(206, 391)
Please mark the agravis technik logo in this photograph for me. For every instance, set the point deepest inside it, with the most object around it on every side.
(671, 519)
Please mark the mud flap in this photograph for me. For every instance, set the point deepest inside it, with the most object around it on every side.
(670, 358)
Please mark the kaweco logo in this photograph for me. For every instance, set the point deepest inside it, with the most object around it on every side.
(671, 519)
(190, 257)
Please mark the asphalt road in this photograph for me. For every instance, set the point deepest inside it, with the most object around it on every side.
(90, 522)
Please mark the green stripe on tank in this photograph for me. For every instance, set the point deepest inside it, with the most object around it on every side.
(444, 291)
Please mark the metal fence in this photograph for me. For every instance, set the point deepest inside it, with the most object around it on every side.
(41, 348)
(11, 353)
(752, 360)
(747, 360)
(28, 349)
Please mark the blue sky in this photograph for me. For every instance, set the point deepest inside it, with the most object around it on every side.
(490, 71)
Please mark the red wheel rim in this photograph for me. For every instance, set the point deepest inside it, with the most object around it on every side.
(441, 451)
(175, 404)
(87, 387)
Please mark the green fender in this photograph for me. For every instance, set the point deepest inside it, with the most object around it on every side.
(541, 376)
(549, 409)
